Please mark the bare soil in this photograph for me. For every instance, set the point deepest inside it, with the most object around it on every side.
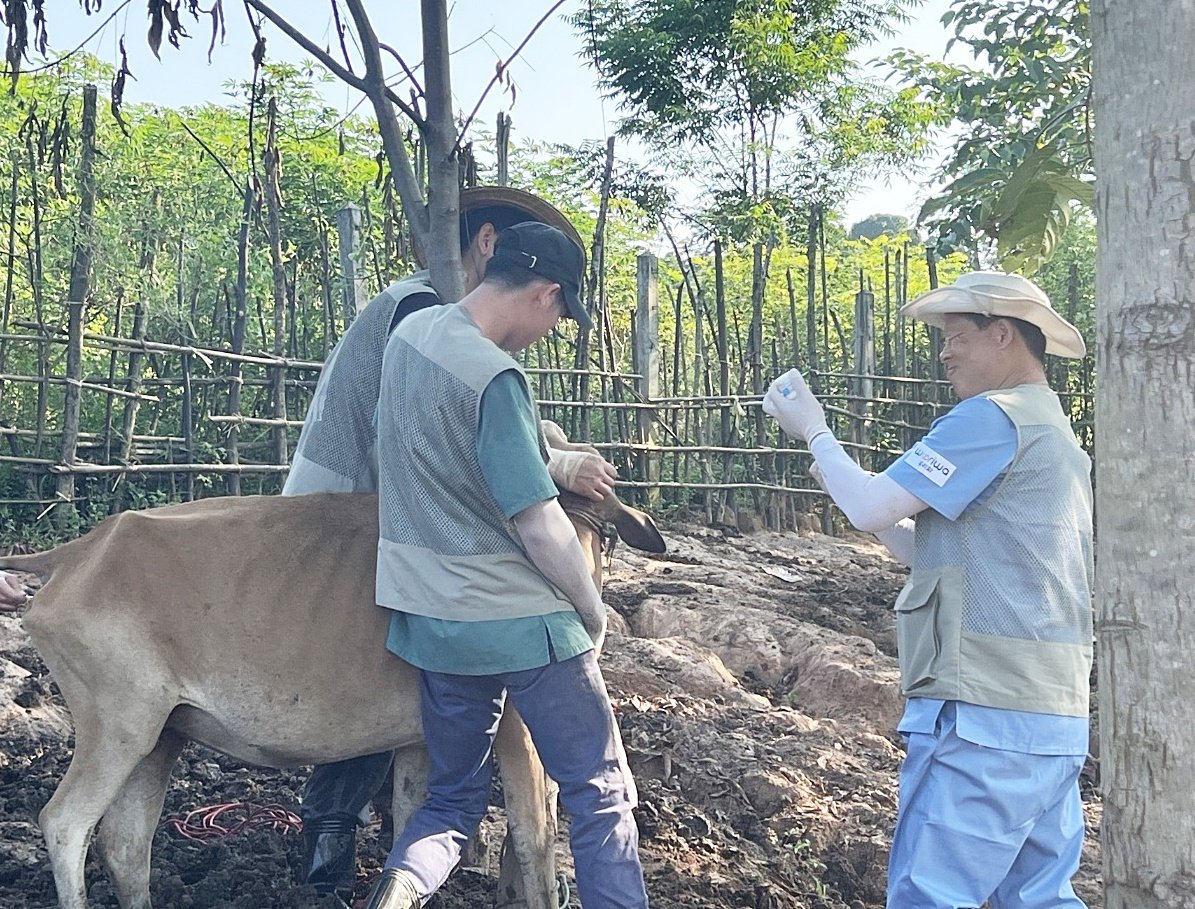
(755, 687)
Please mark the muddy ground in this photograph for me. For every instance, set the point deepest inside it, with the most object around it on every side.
(755, 686)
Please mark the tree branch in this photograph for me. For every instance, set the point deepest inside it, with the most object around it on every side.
(224, 167)
(498, 72)
(403, 63)
(82, 44)
(341, 72)
(308, 45)
(384, 101)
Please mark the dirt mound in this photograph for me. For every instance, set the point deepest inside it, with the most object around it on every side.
(755, 686)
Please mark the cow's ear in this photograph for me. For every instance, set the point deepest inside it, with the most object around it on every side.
(635, 528)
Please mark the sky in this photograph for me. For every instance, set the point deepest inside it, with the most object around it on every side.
(556, 98)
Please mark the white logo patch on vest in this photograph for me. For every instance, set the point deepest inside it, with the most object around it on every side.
(926, 461)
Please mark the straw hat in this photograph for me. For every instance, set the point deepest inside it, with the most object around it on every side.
(535, 208)
(996, 294)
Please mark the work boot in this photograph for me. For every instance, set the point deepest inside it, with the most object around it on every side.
(330, 856)
(395, 889)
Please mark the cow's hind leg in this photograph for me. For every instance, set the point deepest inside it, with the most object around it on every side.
(106, 753)
(411, 767)
(126, 833)
(528, 869)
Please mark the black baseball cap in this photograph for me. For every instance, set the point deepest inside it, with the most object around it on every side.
(549, 254)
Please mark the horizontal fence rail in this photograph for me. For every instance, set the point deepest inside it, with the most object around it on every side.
(709, 456)
(153, 420)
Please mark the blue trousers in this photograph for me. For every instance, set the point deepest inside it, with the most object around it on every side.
(978, 824)
(567, 711)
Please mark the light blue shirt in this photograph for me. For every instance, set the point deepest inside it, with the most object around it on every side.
(974, 444)
(508, 448)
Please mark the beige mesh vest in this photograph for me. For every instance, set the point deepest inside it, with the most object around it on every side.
(446, 550)
(997, 610)
(336, 448)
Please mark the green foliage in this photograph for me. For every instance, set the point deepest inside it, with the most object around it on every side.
(688, 68)
(759, 99)
(1022, 161)
(874, 226)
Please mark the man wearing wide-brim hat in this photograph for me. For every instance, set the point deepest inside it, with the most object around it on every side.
(336, 453)
(994, 625)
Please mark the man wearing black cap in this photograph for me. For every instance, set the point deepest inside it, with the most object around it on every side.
(336, 454)
(490, 590)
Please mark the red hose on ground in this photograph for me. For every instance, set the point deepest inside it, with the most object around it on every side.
(215, 822)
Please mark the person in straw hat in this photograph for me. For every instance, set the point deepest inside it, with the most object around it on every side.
(336, 453)
(993, 511)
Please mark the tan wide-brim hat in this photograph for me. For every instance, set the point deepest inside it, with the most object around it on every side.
(995, 293)
(534, 207)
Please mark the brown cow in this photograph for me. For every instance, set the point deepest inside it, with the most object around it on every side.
(208, 622)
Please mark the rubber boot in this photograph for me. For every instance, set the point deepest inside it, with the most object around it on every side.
(394, 890)
(330, 856)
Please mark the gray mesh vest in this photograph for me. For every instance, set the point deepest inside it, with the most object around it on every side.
(336, 448)
(997, 610)
(446, 550)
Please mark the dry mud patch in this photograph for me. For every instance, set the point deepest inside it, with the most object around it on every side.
(755, 685)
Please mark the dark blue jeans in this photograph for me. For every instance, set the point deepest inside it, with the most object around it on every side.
(567, 710)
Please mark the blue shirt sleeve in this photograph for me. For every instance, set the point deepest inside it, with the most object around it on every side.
(508, 446)
(961, 457)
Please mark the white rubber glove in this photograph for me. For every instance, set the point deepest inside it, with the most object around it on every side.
(818, 475)
(580, 472)
(794, 407)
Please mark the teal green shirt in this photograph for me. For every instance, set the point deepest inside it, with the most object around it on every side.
(508, 448)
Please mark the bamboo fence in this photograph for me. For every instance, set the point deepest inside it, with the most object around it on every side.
(686, 439)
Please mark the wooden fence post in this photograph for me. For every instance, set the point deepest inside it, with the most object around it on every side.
(348, 225)
(862, 383)
(272, 165)
(646, 357)
(502, 146)
(79, 284)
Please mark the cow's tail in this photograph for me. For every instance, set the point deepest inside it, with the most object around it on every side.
(38, 563)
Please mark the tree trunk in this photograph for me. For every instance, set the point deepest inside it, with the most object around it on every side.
(1145, 596)
(443, 171)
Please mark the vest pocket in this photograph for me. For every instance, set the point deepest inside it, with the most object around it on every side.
(918, 640)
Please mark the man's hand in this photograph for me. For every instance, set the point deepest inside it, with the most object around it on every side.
(12, 593)
(794, 407)
(585, 474)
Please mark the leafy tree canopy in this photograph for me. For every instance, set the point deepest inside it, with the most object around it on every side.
(759, 101)
(1022, 160)
(874, 226)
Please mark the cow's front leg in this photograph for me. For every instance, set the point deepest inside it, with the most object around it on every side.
(411, 768)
